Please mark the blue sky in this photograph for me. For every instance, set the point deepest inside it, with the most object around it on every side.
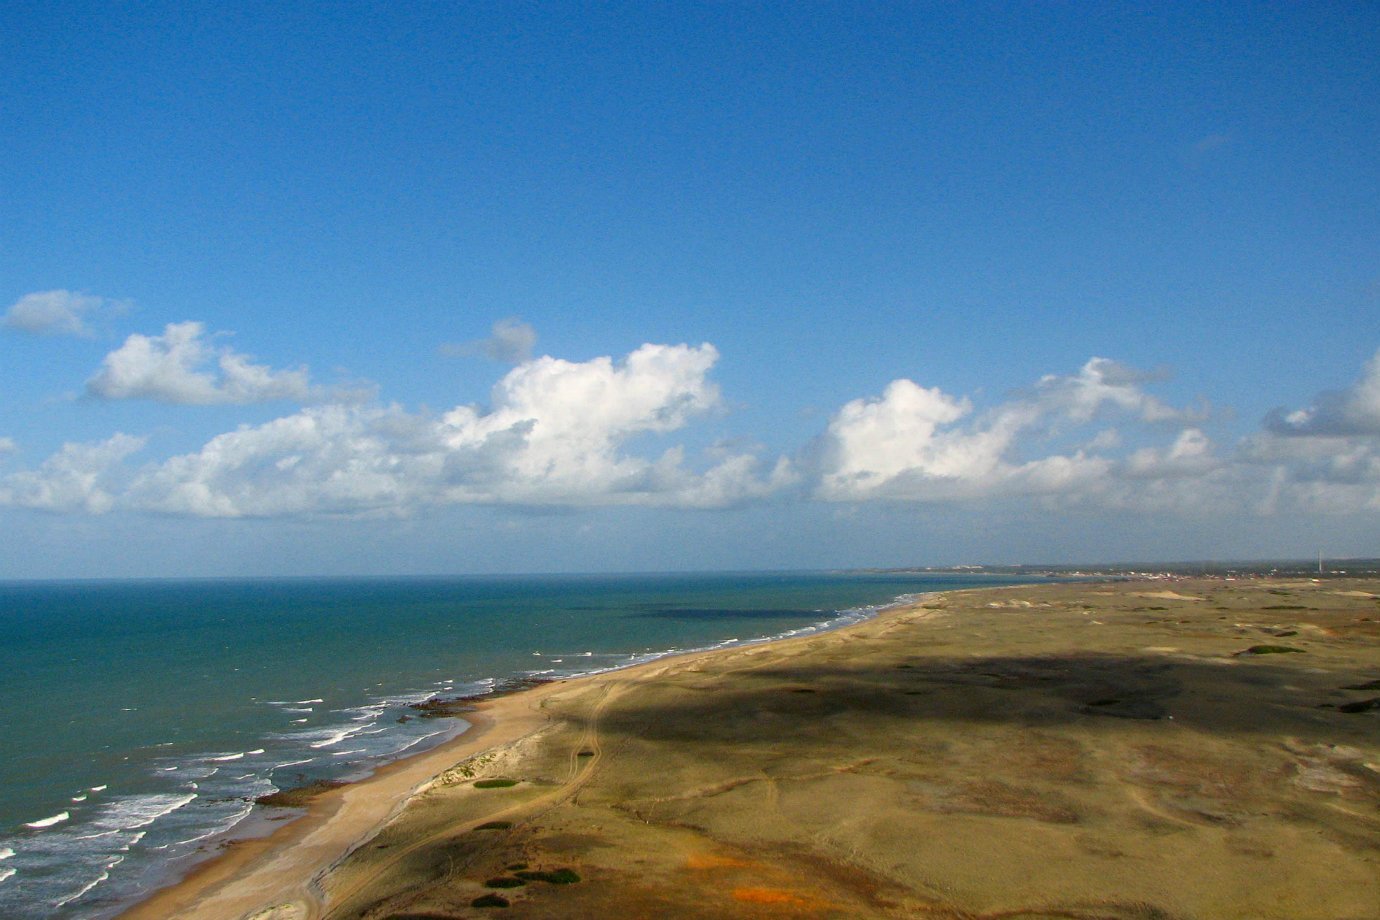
(359, 288)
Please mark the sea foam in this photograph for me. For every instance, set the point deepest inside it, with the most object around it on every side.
(48, 822)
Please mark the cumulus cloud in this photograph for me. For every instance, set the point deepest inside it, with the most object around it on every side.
(56, 312)
(79, 477)
(913, 444)
(555, 434)
(908, 444)
(510, 341)
(182, 366)
(1336, 413)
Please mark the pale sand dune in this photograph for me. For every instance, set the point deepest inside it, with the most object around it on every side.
(960, 762)
(1168, 596)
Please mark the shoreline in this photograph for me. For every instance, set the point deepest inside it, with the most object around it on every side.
(336, 820)
(1089, 750)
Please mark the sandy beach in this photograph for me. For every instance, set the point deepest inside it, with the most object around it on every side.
(1147, 749)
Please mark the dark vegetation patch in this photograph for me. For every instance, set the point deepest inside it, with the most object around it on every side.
(504, 881)
(299, 796)
(1270, 650)
(1361, 705)
(1368, 685)
(553, 877)
(495, 783)
(1285, 607)
(490, 900)
(1142, 708)
(585, 753)
(516, 866)
(494, 826)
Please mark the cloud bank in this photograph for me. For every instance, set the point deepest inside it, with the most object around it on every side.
(554, 435)
(563, 434)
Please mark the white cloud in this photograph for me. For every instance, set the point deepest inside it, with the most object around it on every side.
(7, 446)
(79, 477)
(1103, 385)
(555, 435)
(581, 434)
(510, 341)
(55, 312)
(908, 446)
(1352, 411)
(919, 445)
(181, 366)
(1191, 454)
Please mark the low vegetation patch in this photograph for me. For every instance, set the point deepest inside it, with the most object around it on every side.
(495, 783)
(1270, 650)
(555, 877)
(1360, 705)
(504, 881)
(489, 900)
(494, 826)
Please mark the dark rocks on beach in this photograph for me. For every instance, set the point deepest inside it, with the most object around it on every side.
(454, 706)
(299, 796)
(444, 709)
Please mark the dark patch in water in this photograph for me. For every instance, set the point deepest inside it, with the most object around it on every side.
(719, 613)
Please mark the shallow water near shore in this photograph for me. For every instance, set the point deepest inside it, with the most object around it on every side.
(140, 718)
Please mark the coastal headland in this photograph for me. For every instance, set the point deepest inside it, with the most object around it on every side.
(1191, 748)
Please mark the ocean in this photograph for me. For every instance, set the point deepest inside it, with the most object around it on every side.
(139, 719)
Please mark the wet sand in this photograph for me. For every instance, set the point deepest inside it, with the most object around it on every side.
(1194, 749)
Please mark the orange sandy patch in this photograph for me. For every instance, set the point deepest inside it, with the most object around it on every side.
(772, 896)
(704, 861)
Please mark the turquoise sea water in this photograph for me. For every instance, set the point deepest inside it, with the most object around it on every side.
(138, 719)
